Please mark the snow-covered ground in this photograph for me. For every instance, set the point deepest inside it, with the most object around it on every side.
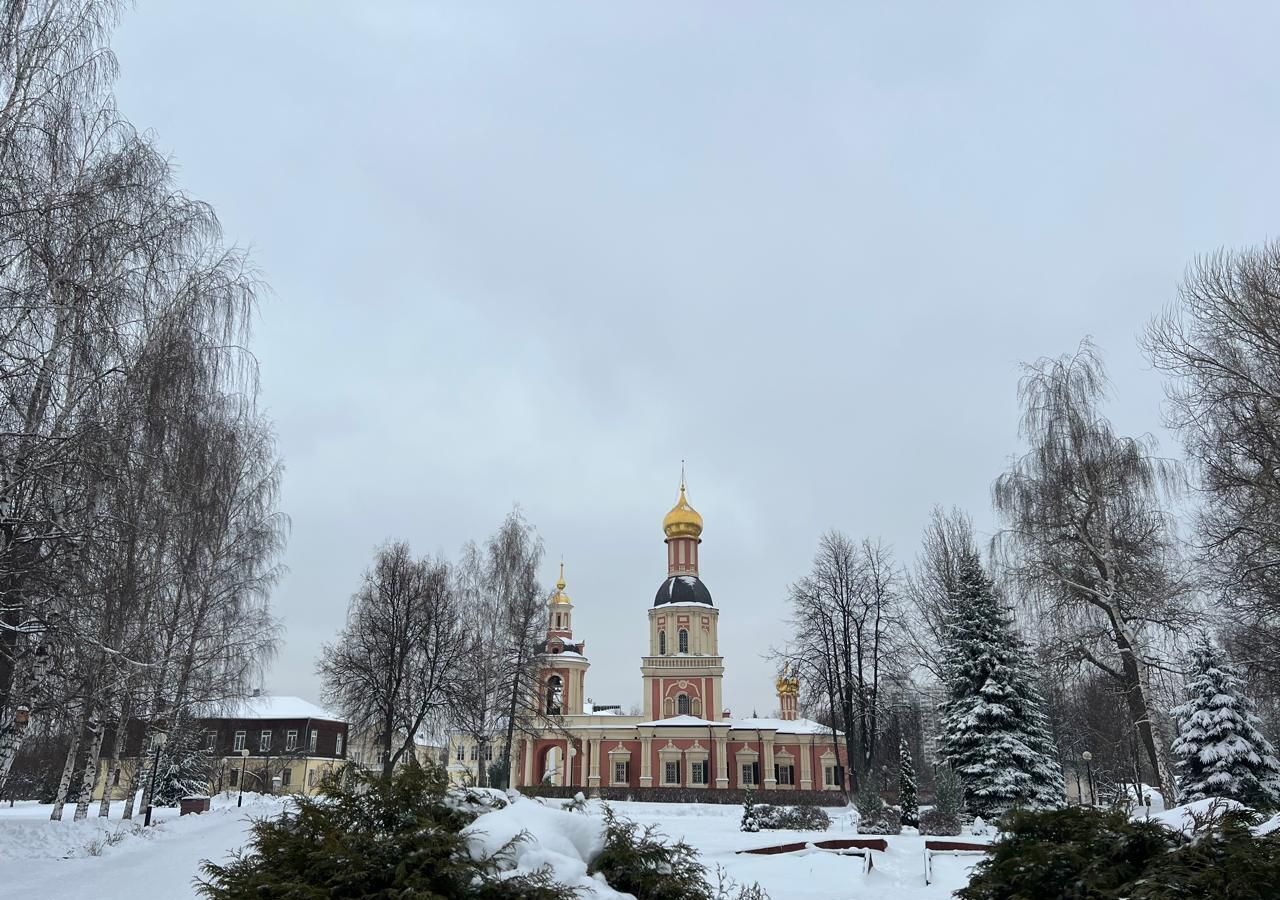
(108, 859)
(564, 840)
(164, 861)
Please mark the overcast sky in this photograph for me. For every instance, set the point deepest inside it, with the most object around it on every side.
(538, 253)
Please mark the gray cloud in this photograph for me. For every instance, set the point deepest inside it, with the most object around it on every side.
(541, 252)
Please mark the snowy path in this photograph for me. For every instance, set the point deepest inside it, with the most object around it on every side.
(163, 862)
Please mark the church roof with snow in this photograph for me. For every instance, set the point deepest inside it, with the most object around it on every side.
(785, 726)
(683, 721)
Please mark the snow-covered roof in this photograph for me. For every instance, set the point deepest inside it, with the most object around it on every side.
(589, 708)
(785, 726)
(267, 706)
(677, 721)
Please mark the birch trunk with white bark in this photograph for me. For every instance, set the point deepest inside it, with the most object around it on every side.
(89, 774)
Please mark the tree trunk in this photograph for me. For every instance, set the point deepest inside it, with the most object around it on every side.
(388, 764)
(1138, 697)
(113, 770)
(89, 777)
(64, 784)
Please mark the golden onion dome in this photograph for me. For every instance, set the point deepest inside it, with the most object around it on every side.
(788, 683)
(560, 597)
(683, 520)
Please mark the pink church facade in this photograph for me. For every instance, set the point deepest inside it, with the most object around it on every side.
(685, 738)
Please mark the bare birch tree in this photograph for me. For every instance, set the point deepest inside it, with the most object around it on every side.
(1220, 346)
(1085, 535)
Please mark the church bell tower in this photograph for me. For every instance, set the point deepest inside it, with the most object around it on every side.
(683, 670)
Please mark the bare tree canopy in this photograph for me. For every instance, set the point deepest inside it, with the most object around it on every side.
(1086, 535)
(1220, 345)
(933, 585)
(139, 528)
(848, 638)
(395, 665)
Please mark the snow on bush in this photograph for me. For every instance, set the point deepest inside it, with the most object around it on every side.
(526, 837)
(1196, 815)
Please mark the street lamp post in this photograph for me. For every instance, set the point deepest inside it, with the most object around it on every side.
(244, 758)
(1088, 763)
(155, 767)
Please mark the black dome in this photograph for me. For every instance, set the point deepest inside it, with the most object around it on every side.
(683, 589)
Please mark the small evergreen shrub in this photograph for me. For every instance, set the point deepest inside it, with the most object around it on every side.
(637, 861)
(866, 799)
(578, 804)
(1070, 853)
(791, 818)
(371, 837)
(749, 820)
(1225, 860)
(939, 823)
(908, 798)
(873, 816)
(886, 821)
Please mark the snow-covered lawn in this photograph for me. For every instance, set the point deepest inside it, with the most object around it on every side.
(108, 859)
(558, 840)
(163, 861)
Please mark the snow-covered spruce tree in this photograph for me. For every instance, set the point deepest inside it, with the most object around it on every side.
(186, 768)
(908, 798)
(749, 822)
(1220, 752)
(994, 732)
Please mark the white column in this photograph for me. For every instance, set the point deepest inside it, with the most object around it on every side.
(770, 783)
(646, 768)
(593, 747)
(722, 761)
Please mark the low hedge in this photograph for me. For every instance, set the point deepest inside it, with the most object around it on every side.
(791, 818)
(790, 797)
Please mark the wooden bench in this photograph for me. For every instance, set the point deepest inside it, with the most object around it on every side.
(949, 848)
(859, 847)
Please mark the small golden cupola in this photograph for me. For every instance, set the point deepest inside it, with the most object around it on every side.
(683, 528)
(788, 693)
(683, 521)
(560, 597)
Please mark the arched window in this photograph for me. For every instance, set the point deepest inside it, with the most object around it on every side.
(684, 640)
(557, 620)
(554, 693)
(682, 705)
(662, 643)
(697, 706)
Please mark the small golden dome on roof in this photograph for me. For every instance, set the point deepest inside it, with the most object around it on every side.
(788, 683)
(560, 596)
(683, 520)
